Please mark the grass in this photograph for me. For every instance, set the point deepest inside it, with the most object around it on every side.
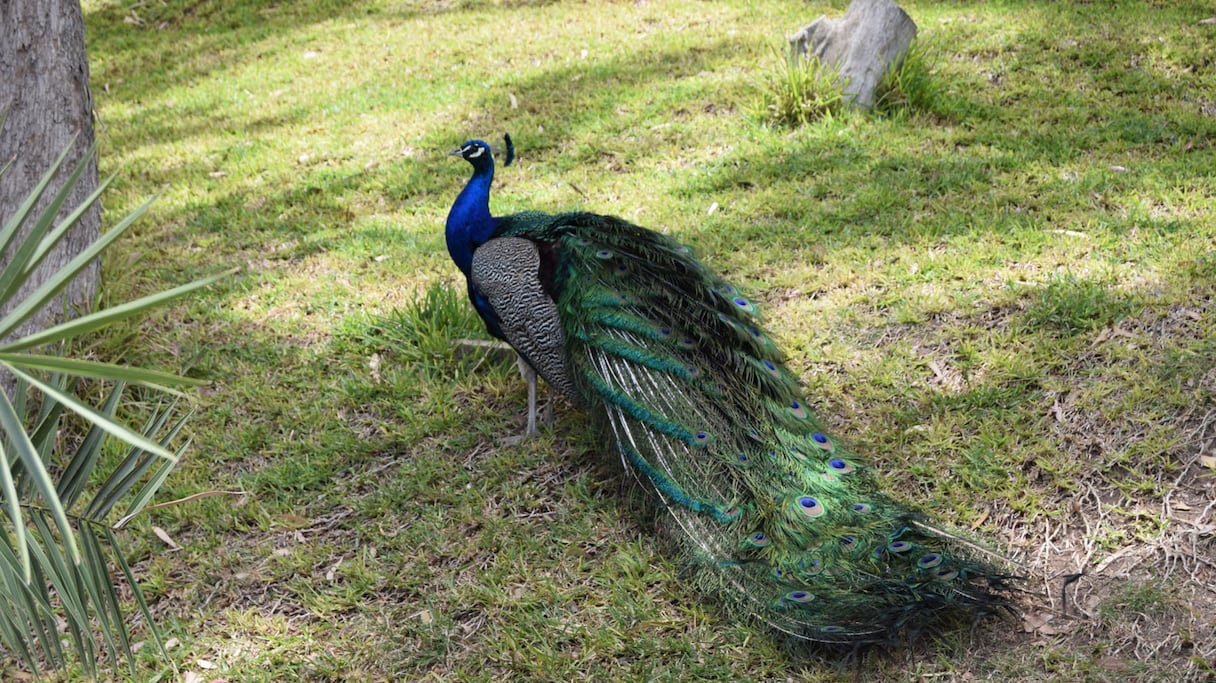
(1000, 287)
(800, 93)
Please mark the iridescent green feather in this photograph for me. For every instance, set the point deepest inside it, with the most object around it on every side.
(778, 517)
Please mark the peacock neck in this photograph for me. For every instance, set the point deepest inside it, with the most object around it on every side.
(469, 222)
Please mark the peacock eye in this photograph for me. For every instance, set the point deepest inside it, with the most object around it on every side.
(473, 151)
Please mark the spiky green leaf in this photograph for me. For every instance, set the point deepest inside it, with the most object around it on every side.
(115, 428)
(94, 321)
(24, 449)
(155, 379)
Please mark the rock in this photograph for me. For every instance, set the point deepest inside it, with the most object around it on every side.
(871, 37)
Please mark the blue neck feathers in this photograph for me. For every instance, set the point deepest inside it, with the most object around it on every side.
(469, 222)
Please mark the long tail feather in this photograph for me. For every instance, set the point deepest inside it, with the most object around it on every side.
(779, 518)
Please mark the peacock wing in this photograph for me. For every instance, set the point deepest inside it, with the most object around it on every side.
(507, 273)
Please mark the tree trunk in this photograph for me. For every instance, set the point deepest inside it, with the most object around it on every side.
(44, 89)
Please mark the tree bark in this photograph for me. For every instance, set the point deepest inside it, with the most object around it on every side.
(44, 89)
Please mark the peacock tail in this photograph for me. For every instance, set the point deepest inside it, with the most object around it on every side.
(777, 517)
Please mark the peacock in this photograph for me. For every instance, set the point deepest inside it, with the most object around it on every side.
(774, 516)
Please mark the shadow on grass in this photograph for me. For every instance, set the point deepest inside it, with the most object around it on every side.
(309, 212)
(1104, 127)
(206, 36)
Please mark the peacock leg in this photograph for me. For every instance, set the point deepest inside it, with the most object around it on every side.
(547, 418)
(529, 376)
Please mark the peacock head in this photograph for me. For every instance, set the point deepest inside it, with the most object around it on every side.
(481, 155)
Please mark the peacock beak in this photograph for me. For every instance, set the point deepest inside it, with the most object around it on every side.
(456, 152)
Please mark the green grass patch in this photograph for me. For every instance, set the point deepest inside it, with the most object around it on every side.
(1071, 305)
(799, 92)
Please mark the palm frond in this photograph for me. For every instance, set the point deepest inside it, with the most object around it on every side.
(58, 545)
